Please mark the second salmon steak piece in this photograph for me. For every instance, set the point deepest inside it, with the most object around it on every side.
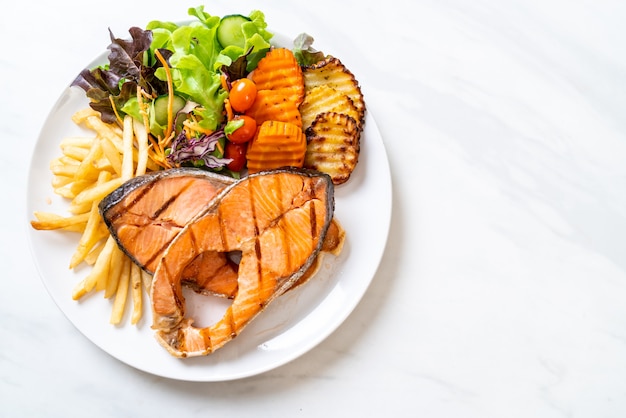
(277, 220)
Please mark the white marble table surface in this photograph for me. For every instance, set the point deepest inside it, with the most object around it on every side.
(502, 291)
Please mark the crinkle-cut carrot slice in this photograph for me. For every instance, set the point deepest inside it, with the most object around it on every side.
(272, 105)
(276, 144)
(279, 71)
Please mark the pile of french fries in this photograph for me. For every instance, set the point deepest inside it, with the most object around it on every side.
(88, 169)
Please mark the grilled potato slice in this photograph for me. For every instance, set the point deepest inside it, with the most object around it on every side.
(333, 145)
(322, 99)
(333, 73)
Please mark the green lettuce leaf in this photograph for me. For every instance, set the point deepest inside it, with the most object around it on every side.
(194, 50)
(304, 52)
(197, 58)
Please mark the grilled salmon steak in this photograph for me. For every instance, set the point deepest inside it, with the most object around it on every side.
(277, 220)
(146, 213)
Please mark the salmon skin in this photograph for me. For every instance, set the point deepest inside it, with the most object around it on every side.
(277, 220)
(146, 213)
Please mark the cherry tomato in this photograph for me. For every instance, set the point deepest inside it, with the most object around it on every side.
(245, 132)
(242, 94)
(238, 154)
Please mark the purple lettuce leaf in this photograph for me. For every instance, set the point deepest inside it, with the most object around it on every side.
(115, 83)
(197, 150)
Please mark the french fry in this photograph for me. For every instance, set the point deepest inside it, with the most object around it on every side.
(75, 228)
(81, 115)
(79, 186)
(93, 255)
(98, 191)
(137, 293)
(60, 169)
(88, 169)
(88, 240)
(146, 278)
(103, 263)
(103, 164)
(118, 143)
(115, 270)
(65, 191)
(67, 160)
(98, 274)
(142, 145)
(94, 122)
(111, 153)
(49, 221)
(80, 289)
(89, 237)
(75, 152)
(60, 181)
(76, 141)
(78, 209)
(127, 150)
(121, 294)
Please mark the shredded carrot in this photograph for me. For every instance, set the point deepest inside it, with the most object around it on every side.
(187, 123)
(223, 82)
(220, 148)
(143, 109)
(194, 126)
(170, 94)
(229, 110)
(117, 115)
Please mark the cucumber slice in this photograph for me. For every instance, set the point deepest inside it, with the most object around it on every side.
(229, 31)
(160, 108)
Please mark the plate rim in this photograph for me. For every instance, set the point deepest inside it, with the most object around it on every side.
(371, 134)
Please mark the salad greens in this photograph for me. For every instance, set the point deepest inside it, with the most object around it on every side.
(304, 52)
(194, 55)
(179, 75)
(110, 86)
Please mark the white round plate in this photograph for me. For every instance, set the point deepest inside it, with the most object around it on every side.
(292, 325)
